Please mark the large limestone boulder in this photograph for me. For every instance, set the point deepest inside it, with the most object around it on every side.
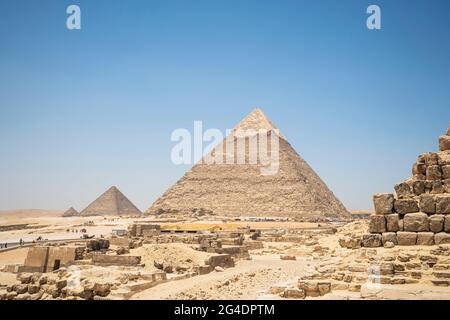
(384, 203)
(443, 204)
(390, 237)
(425, 239)
(416, 222)
(427, 203)
(437, 223)
(431, 159)
(444, 143)
(405, 238)
(372, 240)
(435, 187)
(418, 187)
(377, 224)
(350, 242)
(403, 190)
(392, 222)
(445, 172)
(434, 173)
(442, 238)
(404, 206)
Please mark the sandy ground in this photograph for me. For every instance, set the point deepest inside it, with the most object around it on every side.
(50, 225)
(13, 257)
(249, 279)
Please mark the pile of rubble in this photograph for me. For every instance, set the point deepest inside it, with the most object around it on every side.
(419, 212)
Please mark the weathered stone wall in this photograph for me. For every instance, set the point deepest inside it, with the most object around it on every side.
(419, 211)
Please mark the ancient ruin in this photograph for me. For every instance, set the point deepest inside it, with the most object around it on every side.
(418, 212)
(401, 251)
(71, 212)
(111, 203)
(295, 191)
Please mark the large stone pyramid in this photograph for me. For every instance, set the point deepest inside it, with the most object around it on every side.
(71, 212)
(295, 191)
(111, 203)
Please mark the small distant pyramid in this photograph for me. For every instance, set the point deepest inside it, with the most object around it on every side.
(111, 203)
(295, 191)
(71, 213)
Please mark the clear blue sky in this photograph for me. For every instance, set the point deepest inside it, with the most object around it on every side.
(83, 110)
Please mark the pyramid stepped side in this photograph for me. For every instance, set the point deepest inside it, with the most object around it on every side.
(418, 213)
(111, 203)
(240, 190)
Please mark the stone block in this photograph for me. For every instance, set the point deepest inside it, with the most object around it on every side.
(405, 238)
(419, 168)
(403, 190)
(384, 203)
(392, 222)
(447, 224)
(434, 173)
(446, 185)
(431, 159)
(443, 204)
(350, 242)
(416, 222)
(427, 203)
(389, 237)
(404, 206)
(377, 224)
(437, 223)
(418, 187)
(444, 143)
(425, 239)
(437, 187)
(311, 287)
(372, 240)
(441, 238)
(445, 172)
(292, 293)
(444, 158)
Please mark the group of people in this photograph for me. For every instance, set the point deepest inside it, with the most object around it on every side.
(5, 245)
